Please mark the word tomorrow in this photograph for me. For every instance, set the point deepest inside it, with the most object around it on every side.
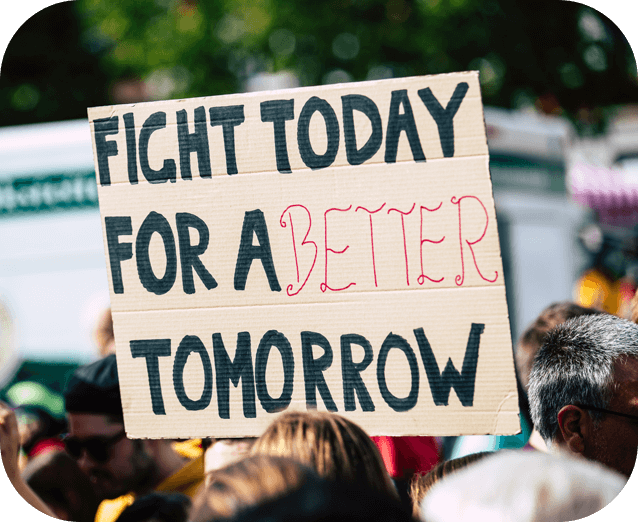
(252, 371)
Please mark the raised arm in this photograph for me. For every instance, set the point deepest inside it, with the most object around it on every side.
(10, 448)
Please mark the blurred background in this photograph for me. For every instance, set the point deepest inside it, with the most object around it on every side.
(560, 90)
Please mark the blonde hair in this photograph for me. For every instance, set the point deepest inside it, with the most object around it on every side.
(421, 484)
(103, 335)
(333, 446)
(245, 484)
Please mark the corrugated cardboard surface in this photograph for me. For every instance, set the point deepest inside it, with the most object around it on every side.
(372, 249)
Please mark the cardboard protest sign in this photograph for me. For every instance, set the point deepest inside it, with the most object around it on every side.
(331, 247)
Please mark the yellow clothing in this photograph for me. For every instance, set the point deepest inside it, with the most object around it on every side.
(191, 448)
(109, 510)
(595, 290)
(186, 481)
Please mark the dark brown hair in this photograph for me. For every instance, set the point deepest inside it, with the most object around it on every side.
(246, 484)
(533, 338)
(421, 484)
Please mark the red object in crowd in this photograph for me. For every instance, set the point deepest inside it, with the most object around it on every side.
(46, 445)
(405, 456)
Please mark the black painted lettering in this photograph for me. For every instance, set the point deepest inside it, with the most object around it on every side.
(102, 128)
(444, 117)
(398, 123)
(396, 403)
(151, 350)
(192, 344)
(189, 254)
(255, 224)
(278, 112)
(131, 147)
(313, 370)
(278, 340)
(193, 142)
(351, 372)
(312, 160)
(229, 118)
(155, 222)
(168, 171)
(118, 252)
(363, 104)
(441, 383)
(241, 367)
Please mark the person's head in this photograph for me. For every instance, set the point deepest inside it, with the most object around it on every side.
(633, 307)
(335, 447)
(320, 500)
(157, 507)
(421, 484)
(97, 439)
(40, 414)
(584, 379)
(525, 486)
(57, 480)
(532, 339)
(245, 484)
(103, 335)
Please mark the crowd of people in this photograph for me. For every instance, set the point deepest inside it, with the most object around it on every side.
(577, 374)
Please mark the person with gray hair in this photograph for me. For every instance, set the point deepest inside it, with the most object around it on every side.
(583, 390)
(522, 486)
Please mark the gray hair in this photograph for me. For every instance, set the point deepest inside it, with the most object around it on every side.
(551, 489)
(576, 366)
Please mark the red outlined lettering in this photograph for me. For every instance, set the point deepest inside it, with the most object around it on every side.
(461, 277)
(324, 286)
(405, 246)
(305, 241)
(370, 212)
(421, 279)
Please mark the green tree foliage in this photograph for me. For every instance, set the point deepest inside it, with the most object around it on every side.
(561, 56)
(46, 74)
